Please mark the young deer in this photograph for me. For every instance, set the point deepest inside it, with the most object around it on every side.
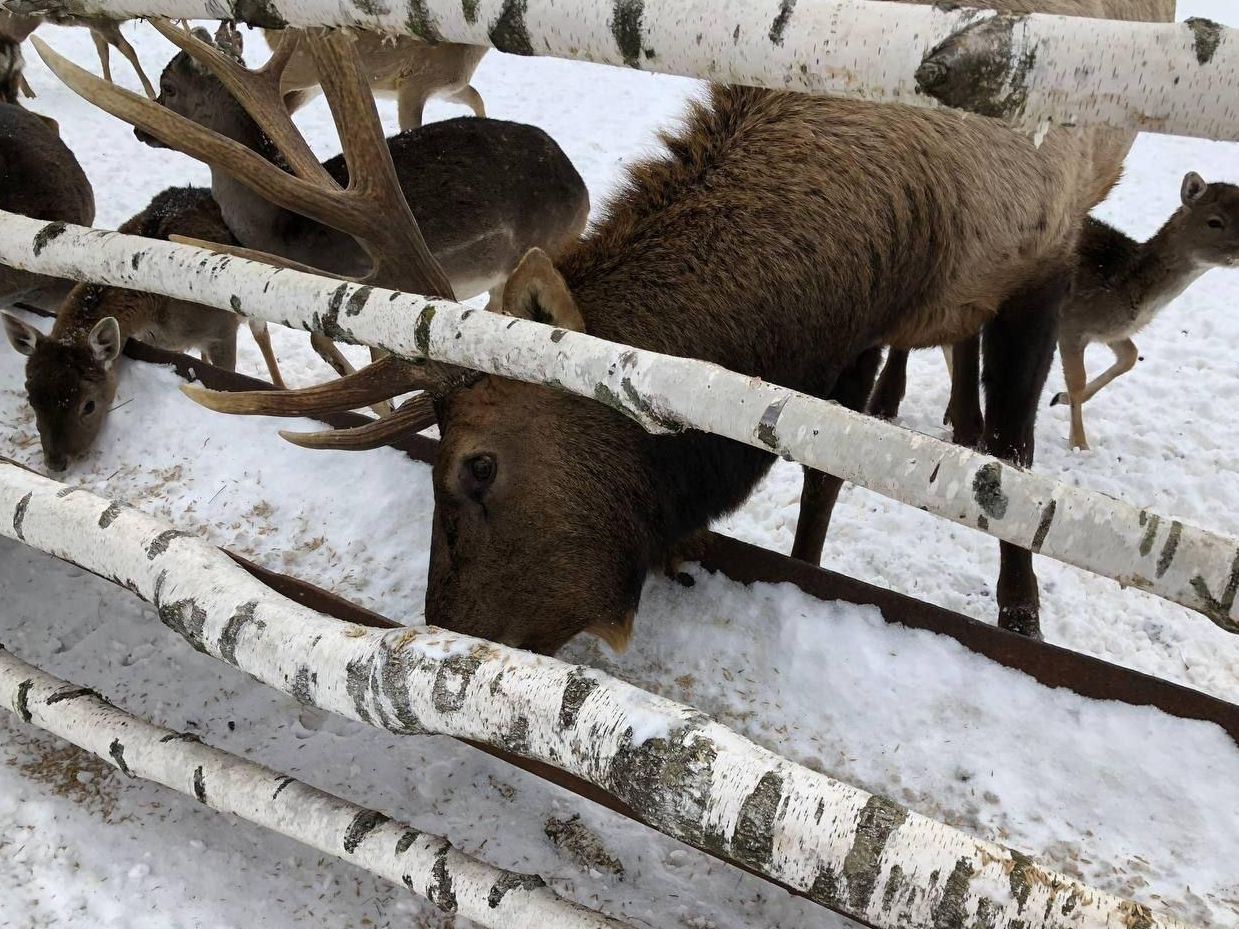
(1121, 284)
(781, 235)
(71, 373)
(485, 191)
(41, 178)
(15, 28)
(409, 69)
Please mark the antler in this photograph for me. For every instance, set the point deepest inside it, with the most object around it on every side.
(414, 415)
(372, 208)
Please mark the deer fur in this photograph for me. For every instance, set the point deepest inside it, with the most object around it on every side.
(39, 177)
(71, 374)
(412, 71)
(106, 33)
(1122, 284)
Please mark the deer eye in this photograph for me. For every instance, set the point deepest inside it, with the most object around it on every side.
(88, 408)
(168, 90)
(478, 474)
(1216, 222)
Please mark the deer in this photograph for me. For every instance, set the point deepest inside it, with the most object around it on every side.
(71, 374)
(487, 190)
(412, 71)
(40, 177)
(15, 28)
(1122, 284)
(787, 237)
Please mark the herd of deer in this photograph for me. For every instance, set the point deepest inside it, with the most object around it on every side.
(783, 236)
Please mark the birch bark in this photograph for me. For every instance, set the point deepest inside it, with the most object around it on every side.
(1132, 545)
(1028, 69)
(859, 854)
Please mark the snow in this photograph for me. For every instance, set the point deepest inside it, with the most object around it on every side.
(1131, 800)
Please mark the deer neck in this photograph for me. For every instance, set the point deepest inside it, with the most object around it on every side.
(1163, 270)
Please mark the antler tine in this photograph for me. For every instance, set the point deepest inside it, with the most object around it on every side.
(283, 53)
(416, 414)
(259, 92)
(392, 237)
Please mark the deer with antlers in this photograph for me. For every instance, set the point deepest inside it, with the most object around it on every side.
(787, 237)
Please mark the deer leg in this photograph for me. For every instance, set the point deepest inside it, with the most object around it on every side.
(1077, 380)
(1125, 357)
(410, 104)
(963, 410)
(222, 352)
(123, 46)
(891, 387)
(821, 490)
(328, 351)
(262, 338)
(105, 53)
(468, 96)
(1018, 348)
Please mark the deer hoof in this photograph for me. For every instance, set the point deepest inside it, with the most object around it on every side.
(1021, 620)
(1058, 400)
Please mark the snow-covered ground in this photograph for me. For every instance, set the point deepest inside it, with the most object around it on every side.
(1129, 799)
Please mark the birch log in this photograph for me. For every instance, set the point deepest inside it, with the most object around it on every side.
(1136, 547)
(1029, 69)
(693, 779)
(427, 864)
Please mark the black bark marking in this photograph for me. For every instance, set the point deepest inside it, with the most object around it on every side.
(581, 683)
(68, 492)
(1206, 37)
(974, 69)
(934, 476)
(390, 675)
(186, 619)
(452, 682)
(1043, 530)
(421, 333)
(284, 782)
(1150, 532)
(825, 889)
(950, 911)
(357, 683)
(236, 624)
(894, 884)
(877, 820)
(641, 405)
(117, 751)
(305, 682)
(767, 429)
(136, 259)
(1219, 610)
(362, 825)
(987, 915)
(200, 785)
(440, 891)
(516, 739)
(71, 694)
(112, 513)
(19, 515)
(406, 841)
(260, 13)
(779, 26)
(558, 334)
(753, 841)
(626, 27)
(179, 737)
(372, 7)
(163, 540)
(510, 882)
(357, 302)
(470, 8)
(987, 491)
(1020, 877)
(1166, 559)
(508, 32)
(46, 234)
(23, 700)
(421, 22)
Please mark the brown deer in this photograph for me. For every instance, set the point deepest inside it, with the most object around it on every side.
(1121, 284)
(71, 374)
(783, 236)
(15, 28)
(39, 177)
(486, 191)
(412, 71)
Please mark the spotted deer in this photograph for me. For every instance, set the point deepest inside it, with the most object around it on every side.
(783, 236)
(412, 71)
(71, 374)
(39, 177)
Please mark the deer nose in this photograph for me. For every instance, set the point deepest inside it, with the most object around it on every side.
(56, 463)
(147, 138)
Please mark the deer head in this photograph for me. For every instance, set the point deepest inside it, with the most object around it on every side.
(1206, 229)
(71, 383)
(189, 89)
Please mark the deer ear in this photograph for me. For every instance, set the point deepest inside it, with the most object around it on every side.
(104, 340)
(22, 336)
(1194, 187)
(536, 291)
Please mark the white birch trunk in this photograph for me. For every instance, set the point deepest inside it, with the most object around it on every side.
(1134, 546)
(692, 778)
(427, 864)
(1029, 69)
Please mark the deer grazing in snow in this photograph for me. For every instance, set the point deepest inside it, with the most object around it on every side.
(412, 71)
(486, 191)
(15, 28)
(783, 236)
(41, 178)
(71, 374)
